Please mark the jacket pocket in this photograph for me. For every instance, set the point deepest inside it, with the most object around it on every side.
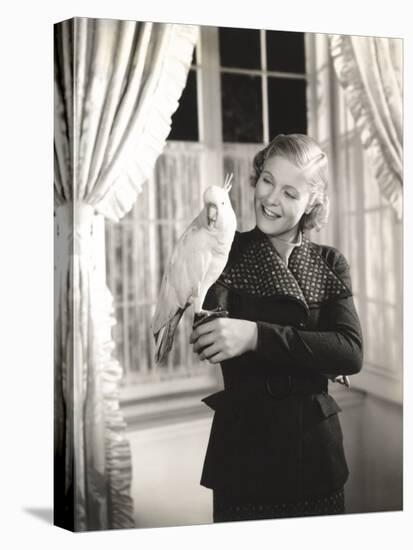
(327, 404)
(214, 400)
(323, 462)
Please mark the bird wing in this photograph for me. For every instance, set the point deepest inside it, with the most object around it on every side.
(184, 274)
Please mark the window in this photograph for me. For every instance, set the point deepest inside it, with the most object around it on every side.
(263, 84)
(238, 94)
(185, 125)
(262, 87)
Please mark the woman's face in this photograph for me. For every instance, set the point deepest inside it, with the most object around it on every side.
(281, 197)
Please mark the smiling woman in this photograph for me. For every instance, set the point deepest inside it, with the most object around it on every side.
(276, 444)
(290, 179)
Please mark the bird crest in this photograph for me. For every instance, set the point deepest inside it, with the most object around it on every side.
(227, 183)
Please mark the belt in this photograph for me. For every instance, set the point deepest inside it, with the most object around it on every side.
(279, 387)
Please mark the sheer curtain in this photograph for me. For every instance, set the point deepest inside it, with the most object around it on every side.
(370, 71)
(117, 84)
(364, 224)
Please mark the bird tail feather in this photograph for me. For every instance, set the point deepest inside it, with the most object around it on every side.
(165, 336)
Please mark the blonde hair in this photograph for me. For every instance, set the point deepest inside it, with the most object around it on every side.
(305, 153)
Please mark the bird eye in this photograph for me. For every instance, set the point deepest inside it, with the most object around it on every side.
(222, 204)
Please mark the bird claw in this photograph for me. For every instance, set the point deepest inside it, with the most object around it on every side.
(204, 316)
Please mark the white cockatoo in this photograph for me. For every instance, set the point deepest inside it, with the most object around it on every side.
(197, 261)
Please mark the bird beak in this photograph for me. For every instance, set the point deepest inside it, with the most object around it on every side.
(212, 214)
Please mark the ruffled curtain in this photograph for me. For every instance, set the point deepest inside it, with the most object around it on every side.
(117, 84)
(370, 71)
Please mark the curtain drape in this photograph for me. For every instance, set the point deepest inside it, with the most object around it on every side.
(117, 84)
(362, 224)
(370, 71)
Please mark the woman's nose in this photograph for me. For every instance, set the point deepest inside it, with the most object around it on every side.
(273, 197)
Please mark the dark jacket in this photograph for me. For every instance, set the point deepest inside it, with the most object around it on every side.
(275, 430)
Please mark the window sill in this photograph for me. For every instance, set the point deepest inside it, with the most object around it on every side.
(171, 402)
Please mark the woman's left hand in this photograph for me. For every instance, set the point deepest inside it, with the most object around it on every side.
(224, 338)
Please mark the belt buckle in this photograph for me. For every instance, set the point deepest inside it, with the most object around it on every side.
(277, 394)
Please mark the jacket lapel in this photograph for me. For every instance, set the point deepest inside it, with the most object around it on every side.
(255, 268)
(317, 280)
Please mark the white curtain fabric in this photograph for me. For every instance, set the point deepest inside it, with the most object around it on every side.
(117, 84)
(363, 225)
(370, 71)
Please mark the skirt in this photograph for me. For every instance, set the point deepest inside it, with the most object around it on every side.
(228, 509)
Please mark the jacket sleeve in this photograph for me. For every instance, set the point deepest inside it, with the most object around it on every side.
(336, 348)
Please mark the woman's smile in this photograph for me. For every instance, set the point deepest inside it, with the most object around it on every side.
(270, 213)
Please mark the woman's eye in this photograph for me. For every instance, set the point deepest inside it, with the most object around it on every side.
(290, 195)
(266, 180)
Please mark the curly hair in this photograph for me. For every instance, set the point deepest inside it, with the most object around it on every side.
(305, 153)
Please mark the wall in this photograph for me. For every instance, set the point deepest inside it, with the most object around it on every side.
(167, 464)
(383, 443)
(372, 430)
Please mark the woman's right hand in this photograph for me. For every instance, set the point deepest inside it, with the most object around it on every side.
(224, 338)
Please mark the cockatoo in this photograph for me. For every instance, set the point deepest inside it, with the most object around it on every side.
(197, 261)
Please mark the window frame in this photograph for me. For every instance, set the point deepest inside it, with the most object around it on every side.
(264, 73)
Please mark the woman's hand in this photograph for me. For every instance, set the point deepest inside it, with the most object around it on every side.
(224, 338)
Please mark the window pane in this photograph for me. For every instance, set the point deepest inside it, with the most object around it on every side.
(285, 51)
(287, 106)
(185, 119)
(241, 108)
(239, 48)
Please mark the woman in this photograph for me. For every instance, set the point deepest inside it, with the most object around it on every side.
(276, 445)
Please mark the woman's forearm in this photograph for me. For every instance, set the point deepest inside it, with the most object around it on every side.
(338, 350)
